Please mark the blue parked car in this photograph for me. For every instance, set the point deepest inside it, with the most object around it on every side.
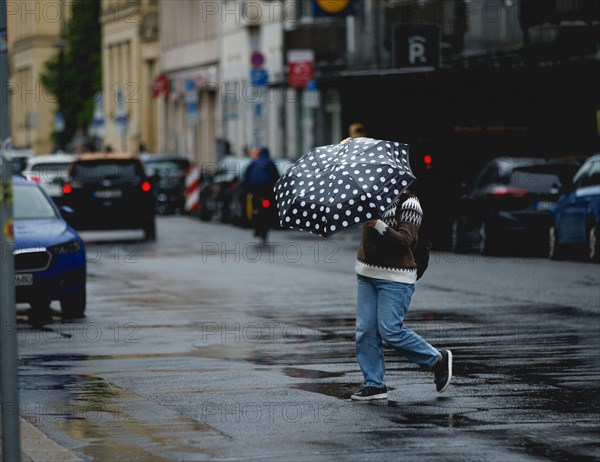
(576, 216)
(49, 255)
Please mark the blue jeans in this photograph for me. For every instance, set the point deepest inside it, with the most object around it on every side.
(380, 309)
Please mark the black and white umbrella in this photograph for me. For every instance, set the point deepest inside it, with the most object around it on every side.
(335, 187)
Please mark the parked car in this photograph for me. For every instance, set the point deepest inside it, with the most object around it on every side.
(576, 216)
(508, 208)
(169, 190)
(51, 172)
(49, 255)
(217, 188)
(238, 207)
(111, 191)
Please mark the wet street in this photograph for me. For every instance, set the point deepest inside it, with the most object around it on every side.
(202, 346)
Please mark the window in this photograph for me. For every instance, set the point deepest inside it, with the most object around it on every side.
(487, 176)
(96, 171)
(580, 175)
(31, 203)
(592, 177)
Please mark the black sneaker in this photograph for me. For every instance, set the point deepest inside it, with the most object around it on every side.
(443, 371)
(369, 393)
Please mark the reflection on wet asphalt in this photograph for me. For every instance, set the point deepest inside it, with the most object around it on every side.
(192, 355)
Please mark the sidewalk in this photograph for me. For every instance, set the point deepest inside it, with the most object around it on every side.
(37, 447)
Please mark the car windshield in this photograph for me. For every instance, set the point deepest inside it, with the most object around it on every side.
(534, 180)
(101, 170)
(50, 171)
(31, 203)
(166, 166)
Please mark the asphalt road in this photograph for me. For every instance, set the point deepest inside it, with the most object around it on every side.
(203, 346)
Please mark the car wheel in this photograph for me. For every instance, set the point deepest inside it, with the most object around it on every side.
(483, 246)
(162, 209)
(205, 214)
(225, 216)
(150, 230)
(489, 244)
(72, 305)
(593, 250)
(457, 238)
(40, 309)
(555, 251)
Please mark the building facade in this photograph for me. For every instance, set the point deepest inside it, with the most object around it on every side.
(189, 68)
(33, 33)
(130, 63)
(252, 78)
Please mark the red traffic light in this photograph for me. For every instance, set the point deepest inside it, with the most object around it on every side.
(266, 203)
(427, 159)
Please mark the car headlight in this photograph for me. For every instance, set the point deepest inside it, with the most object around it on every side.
(68, 247)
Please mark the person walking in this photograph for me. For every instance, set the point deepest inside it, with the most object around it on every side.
(387, 272)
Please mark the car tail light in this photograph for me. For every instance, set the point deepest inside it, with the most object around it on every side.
(67, 188)
(266, 203)
(503, 191)
(427, 160)
(34, 177)
(146, 186)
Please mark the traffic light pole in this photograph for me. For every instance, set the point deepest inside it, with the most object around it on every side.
(9, 397)
(9, 391)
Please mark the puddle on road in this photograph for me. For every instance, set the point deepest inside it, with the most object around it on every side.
(105, 422)
(337, 390)
(404, 414)
(298, 372)
(108, 423)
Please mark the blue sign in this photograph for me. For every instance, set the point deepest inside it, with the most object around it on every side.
(259, 76)
(59, 122)
(191, 99)
(121, 119)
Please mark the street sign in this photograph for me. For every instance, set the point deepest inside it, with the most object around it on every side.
(332, 7)
(97, 127)
(121, 119)
(257, 59)
(160, 86)
(259, 76)
(301, 68)
(416, 45)
(191, 102)
(59, 122)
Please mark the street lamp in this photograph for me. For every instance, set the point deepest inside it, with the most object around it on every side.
(60, 44)
(59, 125)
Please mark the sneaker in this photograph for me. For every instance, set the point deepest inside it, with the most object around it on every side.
(369, 393)
(443, 371)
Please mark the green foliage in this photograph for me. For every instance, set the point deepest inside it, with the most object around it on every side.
(81, 69)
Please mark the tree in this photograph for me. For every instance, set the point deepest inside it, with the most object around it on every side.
(74, 75)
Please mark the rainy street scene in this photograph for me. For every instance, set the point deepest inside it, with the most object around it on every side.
(215, 348)
(299, 230)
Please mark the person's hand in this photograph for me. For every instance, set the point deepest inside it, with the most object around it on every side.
(347, 140)
(380, 227)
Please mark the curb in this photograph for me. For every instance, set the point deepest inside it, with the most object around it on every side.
(37, 447)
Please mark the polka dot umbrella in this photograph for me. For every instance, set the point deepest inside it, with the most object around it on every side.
(335, 187)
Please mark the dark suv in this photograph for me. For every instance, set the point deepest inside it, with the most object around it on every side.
(110, 191)
(171, 172)
(508, 208)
